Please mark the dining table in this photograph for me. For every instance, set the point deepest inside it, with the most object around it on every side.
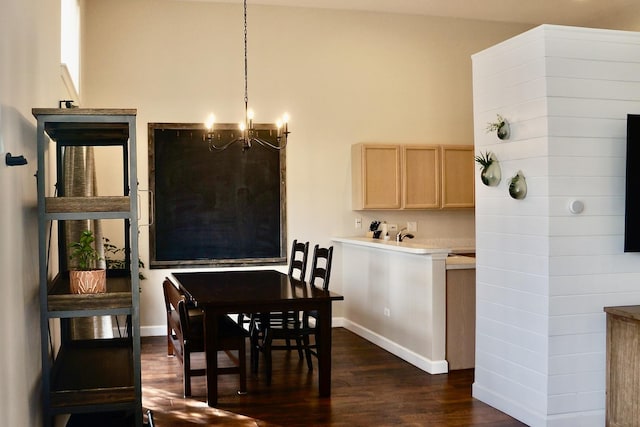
(257, 291)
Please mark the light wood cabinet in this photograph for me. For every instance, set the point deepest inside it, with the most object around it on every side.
(623, 366)
(376, 176)
(387, 176)
(457, 176)
(421, 176)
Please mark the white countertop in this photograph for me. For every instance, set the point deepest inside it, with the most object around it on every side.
(408, 246)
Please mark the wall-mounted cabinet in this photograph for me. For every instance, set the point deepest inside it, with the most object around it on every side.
(420, 176)
(388, 176)
(376, 176)
(457, 172)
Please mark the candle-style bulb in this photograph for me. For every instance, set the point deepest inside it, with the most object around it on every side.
(209, 122)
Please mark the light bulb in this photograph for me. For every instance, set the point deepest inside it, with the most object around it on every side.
(242, 127)
(250, 114)
(285, 118)
(210, 121)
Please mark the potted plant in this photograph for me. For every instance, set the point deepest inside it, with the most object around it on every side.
(86, 277)
(500, 126)
(490, 169)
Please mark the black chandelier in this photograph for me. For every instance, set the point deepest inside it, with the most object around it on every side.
(248, 132)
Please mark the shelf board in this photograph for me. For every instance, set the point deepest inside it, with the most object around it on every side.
(118, 296)
(93, 372)
(87, 204)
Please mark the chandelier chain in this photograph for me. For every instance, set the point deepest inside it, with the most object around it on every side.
(246, 90)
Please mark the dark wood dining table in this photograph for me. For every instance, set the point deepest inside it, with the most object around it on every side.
(257, 291)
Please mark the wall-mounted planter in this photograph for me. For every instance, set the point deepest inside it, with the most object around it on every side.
(500, 127)
(490, 173)
(518, 186)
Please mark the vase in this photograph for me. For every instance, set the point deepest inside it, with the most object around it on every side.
(504, 130)
(518, 186)
(88, 281)
(491, 174)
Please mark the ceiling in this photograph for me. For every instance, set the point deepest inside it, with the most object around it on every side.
(560, 12)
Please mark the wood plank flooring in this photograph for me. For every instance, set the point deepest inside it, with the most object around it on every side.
(370, 387)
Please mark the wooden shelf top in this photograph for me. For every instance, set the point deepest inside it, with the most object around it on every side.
(628, 311)
(118, 296)
(84, 111)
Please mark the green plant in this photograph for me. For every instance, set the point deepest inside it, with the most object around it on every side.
(84, 253)
(115, 258)
(497, 125)
(484, 160)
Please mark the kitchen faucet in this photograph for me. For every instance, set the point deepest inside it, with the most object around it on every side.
(402, 234)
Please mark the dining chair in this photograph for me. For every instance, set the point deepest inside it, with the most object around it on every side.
(319, 278)
(297, 270)
(185, 336)
(280, 326)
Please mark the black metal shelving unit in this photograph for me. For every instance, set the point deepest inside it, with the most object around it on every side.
(86, 377)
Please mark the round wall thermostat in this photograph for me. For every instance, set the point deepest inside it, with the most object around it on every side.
(576, 206)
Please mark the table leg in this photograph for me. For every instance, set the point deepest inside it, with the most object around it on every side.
(324, 349)
(211, 355)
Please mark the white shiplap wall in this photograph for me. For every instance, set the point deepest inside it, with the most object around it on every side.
(544, 274)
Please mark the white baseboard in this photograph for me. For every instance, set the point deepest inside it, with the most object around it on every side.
(424, 363)
(153, 331)
(513, 408)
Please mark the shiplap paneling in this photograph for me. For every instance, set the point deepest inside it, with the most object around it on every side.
(566, 92)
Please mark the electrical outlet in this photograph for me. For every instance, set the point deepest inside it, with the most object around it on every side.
(412, 226)
(387, 312)
(392, 227)
(358, 222)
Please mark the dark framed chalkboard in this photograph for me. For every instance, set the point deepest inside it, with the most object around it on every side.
(214, 208)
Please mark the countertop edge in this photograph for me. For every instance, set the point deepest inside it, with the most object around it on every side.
(406, 247)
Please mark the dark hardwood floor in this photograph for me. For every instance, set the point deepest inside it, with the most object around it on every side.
(370, 387)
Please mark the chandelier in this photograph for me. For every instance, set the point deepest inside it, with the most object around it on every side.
(248, 132)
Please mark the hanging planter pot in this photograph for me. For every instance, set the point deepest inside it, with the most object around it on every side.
(500, 126)
(518, 186)
(490, 173)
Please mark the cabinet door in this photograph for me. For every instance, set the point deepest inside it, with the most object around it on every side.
(421, 182)
(376, 176)
(457, 176)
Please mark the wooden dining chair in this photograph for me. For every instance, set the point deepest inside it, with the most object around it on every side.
(185, 336)
(280, 326)
(319, 278)
(297, 270)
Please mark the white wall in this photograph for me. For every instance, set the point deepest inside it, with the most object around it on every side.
(344, 77)
(29, 77)
(543, 273)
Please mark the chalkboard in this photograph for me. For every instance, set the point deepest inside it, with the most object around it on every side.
(213, 207)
